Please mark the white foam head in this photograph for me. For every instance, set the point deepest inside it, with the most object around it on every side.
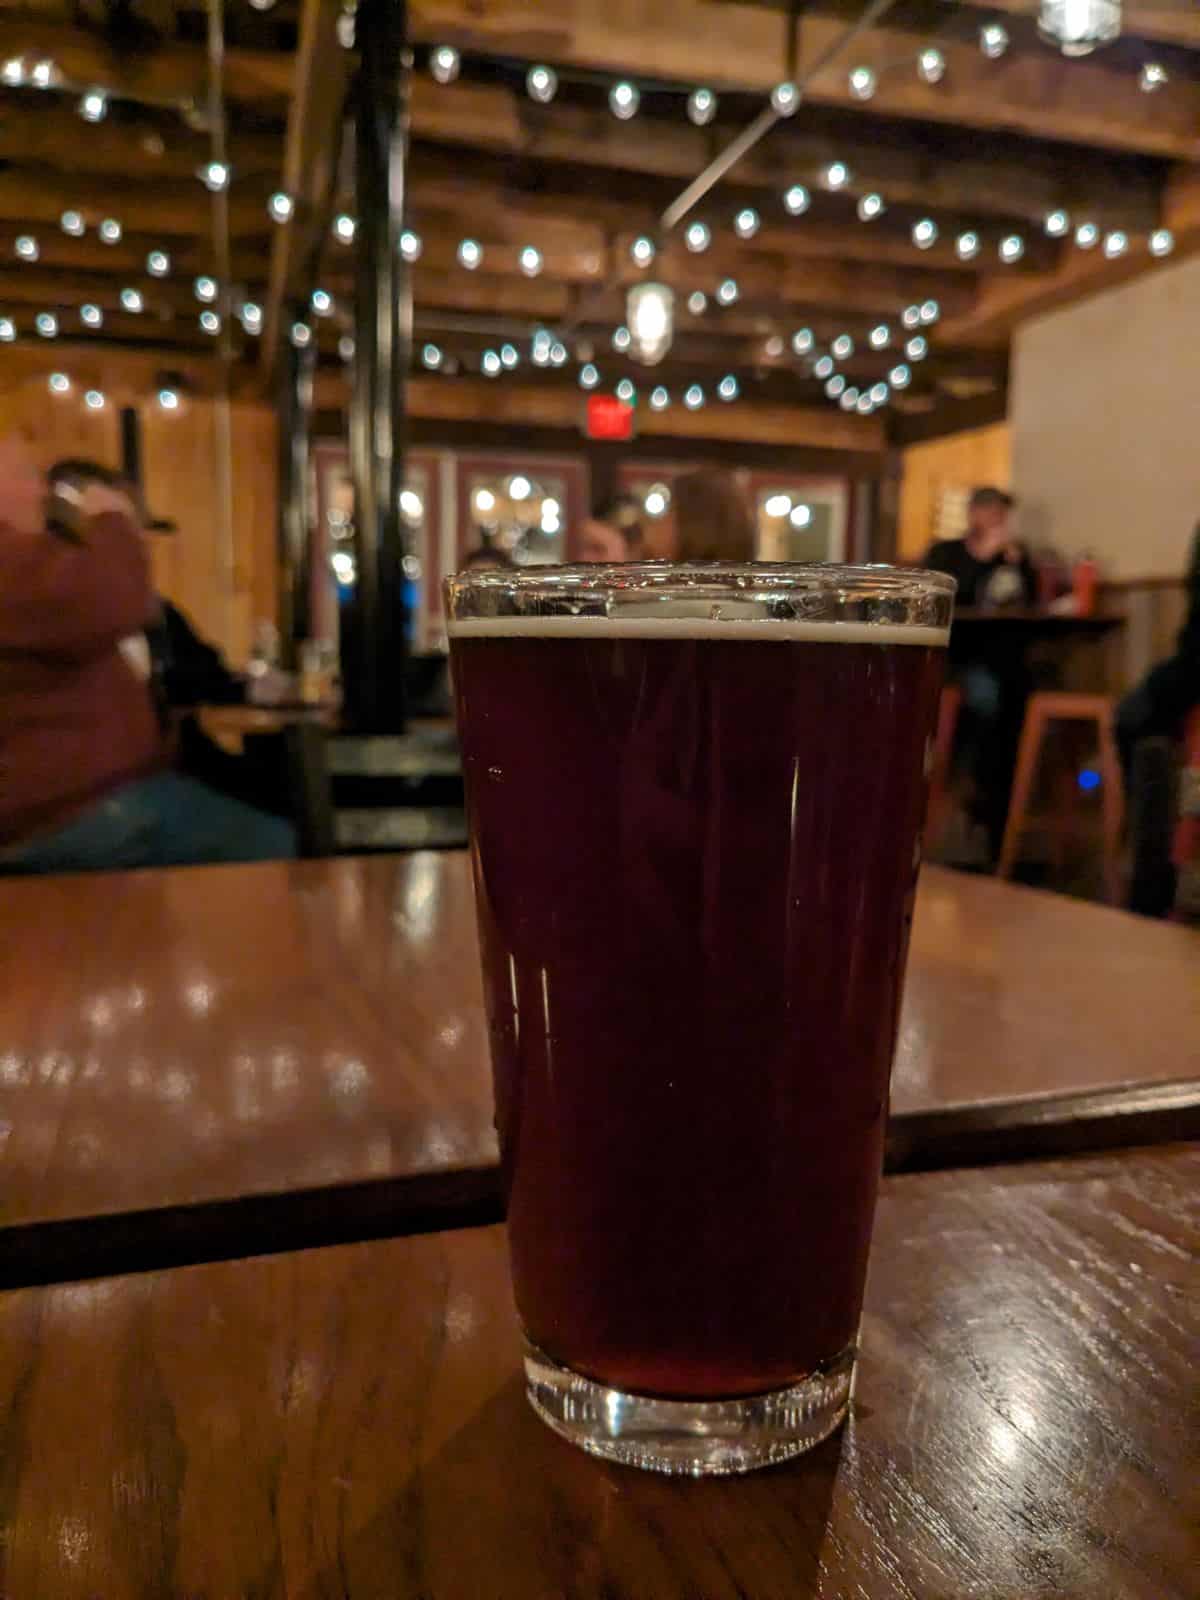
(666, 622)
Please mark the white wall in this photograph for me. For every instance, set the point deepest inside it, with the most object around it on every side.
(1105, 412)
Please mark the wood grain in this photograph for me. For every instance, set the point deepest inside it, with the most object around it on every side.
(350, 1423)
(211, 1062)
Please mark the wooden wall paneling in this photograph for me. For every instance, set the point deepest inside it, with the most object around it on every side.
(959, 461)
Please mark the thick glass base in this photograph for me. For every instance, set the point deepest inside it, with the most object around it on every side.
(695, 1437)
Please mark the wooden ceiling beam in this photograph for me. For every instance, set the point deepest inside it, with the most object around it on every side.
(125, 262)
(1174, 22)
(161, 207)
(740, 46)
(171, 74)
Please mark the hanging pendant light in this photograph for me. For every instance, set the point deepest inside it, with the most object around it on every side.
(650, 318)
(1078, 27)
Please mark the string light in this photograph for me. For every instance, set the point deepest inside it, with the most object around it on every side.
(8, 330)
(59, 383)
(110, 231)
(46, 324)
(530, 261)
(91, 316)
(993, 40)
(693, 397)
(542, 84)
(322, 302)
(1115, 243)
(540, 349)
(251, 317)
(1012, 247)
(701, 106)
(802, 341)
(27, 247)
(642, 251)
(215, 175)
(930, 312)
(210, 323)
(43, 75)
(346, 347)
(168, 399)
(1078, 26)
(746, 223)
(842, 346)
(626, 392)
(509, 356)
(862, 82)
(697, 236)
(344, 228)
(431, 357)
(301, 334)
(489, 364)
(931, 66)
(623, 101)
(849, 398)
(697, 302)
(262, 5)
(205, 289)
(1153, 76)
(158, 263)
(866, 404)
(1162, 242)
(837, 175)
(966, 246)
(410, 245)
(835, 386)
(797, 199)
(621, 339)
(869, 207)
(660, 399)
(94, 400)
(879, 393)
(589, 376)
(12, 74)
(470, 254)
(880, 336)
(281, 206)
(823, 367)
(131, 301)
(727, 291)
(558, 354)
(911, 316)
(727, 389)
(650, 318)
(1057, 223)
(93, 107)
(72, 222)
(1087, 235)
(785, 99)
(445, 63)
(917, 348)
(925, 233)
(773, 347)
(900, 377)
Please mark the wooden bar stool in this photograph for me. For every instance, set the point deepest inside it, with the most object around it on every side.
(939, 770)
(1041, 710)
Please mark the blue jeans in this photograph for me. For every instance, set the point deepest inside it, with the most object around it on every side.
(165, 821)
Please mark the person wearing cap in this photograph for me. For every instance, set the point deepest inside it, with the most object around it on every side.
(992, 571)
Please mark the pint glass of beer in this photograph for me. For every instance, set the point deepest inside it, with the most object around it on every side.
(695, 797)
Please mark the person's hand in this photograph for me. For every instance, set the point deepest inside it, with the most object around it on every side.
(98, 498)
(22, 488)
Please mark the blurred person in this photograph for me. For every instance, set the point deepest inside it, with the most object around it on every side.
(992, 569)
(614, 533)
(486, 554)
(713, 519)
(990, 566)
(84, 784)
(1158, 705)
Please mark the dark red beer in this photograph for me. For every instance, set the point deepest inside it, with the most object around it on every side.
(695, 855)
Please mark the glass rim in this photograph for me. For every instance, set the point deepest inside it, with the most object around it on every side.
(737, 577)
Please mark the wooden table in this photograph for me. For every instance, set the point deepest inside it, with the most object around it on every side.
(224, 1060)
(350, 1423)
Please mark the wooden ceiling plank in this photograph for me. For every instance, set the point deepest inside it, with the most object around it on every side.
(1160, 21)
(162, 207)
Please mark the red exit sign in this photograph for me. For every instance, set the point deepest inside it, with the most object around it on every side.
(607, 417)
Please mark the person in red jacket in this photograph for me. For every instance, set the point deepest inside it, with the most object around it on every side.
(84, 778)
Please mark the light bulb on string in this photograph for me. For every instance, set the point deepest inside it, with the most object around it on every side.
(322, 302)
(1057, 223)
(281, 206)
(993, 40)
(1162, 242)
(621, 339)
(773, 348)
(215, 176)
(59, 383)
(650, 319)
(344, 228)
(837, 175)
(43, 74)
(131, 301)
(205, 289)
(911, 316)
(93, 106)
(727, 389)
(835, 385)
(925, 233)
(866, 403)
(701, 106)
(110, 231)
(797, 199)
(966, 246)
(210, 323)
(693, 397)
(509, 356)
(1087, 236)
(803, 341)
(91, 316)
(1012, 248)
(431, 357)
(490, 364)
(541, 83)
(697, 236)
(158, 263)
(931, 66)
(785, 99)
(880, 336)
(862, 83)
(251, 317)
(900, 377)
(558, 353)
(727, 291)
(27, 247)
(917, 348)
(301, 335)
(470, 254)
(445, 63)
(346, 347)
(589, 376)
(746, 223)
(879, 393)
(8, 330)
(823, 367)
(1078, 27)
(168, 399)
(842, 347)
(46, 324)
(625, 392)
(848, 398)
(1116, 242)
(1152, 77)
(530, 261)
(660, 399)
(72, 223)
(94, 400)
(697, 302)
(410, 245)
(623, 100)
(930, 312)
(12, 73)
(642, 251)
(869, 207)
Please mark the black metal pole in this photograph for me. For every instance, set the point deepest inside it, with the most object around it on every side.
(295, 525)
(373, 651)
